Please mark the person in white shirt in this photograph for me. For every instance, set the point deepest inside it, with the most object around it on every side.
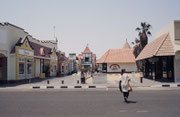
(124, 85)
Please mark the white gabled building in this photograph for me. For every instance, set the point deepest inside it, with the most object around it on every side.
(114, 60)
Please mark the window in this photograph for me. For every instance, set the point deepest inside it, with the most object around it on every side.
(22, 66)
(86, 59)
(29, 66)
(62, 69)
(55, 67)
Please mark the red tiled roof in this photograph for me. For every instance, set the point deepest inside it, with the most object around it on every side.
(87, 50)
(118, 56)
(126, 46)
(162, 46)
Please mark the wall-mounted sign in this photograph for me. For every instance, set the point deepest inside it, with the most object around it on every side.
(26, 52)
(114, 67)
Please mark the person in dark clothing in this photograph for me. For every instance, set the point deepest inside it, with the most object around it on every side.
(82, 77)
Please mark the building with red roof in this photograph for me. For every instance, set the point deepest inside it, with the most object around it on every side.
(87, 59)
(114, 60)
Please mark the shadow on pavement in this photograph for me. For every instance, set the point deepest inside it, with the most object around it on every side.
(128, 102)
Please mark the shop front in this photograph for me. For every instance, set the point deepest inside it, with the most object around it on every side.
(24, 61)
(158, 58)
(45, 67)
(53, 64)
(160, 68)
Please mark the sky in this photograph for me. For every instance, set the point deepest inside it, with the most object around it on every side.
(102, 24)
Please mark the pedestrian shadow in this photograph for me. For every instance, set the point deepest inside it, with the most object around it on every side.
(133, 102)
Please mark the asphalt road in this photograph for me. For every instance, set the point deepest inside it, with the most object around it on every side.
(58, 103)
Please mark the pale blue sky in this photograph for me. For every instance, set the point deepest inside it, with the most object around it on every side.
(103, 24)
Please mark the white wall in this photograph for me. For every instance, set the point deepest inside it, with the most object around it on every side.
(3, 39)
(12, 69)
(130, 67)
(177, 67)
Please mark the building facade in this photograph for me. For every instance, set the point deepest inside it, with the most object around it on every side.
(114, 60)
(161, 57)
(23, 57)
(87, 59)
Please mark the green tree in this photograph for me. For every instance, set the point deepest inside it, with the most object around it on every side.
(144, 33)
(139, 44)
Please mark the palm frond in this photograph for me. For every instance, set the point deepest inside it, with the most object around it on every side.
(148, 26)
(143, 24)
(149, 33)
(138, 29)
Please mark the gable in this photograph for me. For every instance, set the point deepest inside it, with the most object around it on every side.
(25, 44)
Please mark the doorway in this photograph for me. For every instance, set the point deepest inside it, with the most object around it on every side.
(3, 68)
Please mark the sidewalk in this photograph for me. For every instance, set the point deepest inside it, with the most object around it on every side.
(98, 80)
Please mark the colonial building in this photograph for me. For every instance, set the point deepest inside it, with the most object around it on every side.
(114, 60)
(72, 63)
(87, 59)
(63, 64)
(161, 57)
(23, 57)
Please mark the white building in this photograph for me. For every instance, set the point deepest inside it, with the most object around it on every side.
(18, 59)
(114, 60)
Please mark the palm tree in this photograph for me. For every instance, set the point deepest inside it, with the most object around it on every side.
(140, 43)
(137, 47)
(144, 33)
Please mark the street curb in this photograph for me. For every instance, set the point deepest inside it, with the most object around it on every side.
(166, 85)
(69, 87)
(102, 87)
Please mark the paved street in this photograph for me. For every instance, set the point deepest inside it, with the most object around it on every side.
(94, 103)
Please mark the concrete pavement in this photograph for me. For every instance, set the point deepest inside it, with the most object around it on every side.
(57, 103)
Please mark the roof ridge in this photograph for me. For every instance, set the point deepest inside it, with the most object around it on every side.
(161, 43)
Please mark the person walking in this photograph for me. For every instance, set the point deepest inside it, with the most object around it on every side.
(124, 86)
(82, 77)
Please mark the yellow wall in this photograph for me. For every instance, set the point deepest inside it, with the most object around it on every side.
(54, 73)
(24, 46)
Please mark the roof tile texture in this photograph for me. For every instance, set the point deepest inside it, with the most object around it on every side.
(118, 56)
(162, 46)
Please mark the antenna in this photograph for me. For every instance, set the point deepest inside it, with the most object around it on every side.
(54, 31)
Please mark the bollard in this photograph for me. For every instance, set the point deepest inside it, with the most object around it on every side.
(47, 81)
(141, 79)
(62, 81)
(77, 81)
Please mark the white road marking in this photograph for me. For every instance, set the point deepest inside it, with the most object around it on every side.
(142, 111)
(123, 111)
